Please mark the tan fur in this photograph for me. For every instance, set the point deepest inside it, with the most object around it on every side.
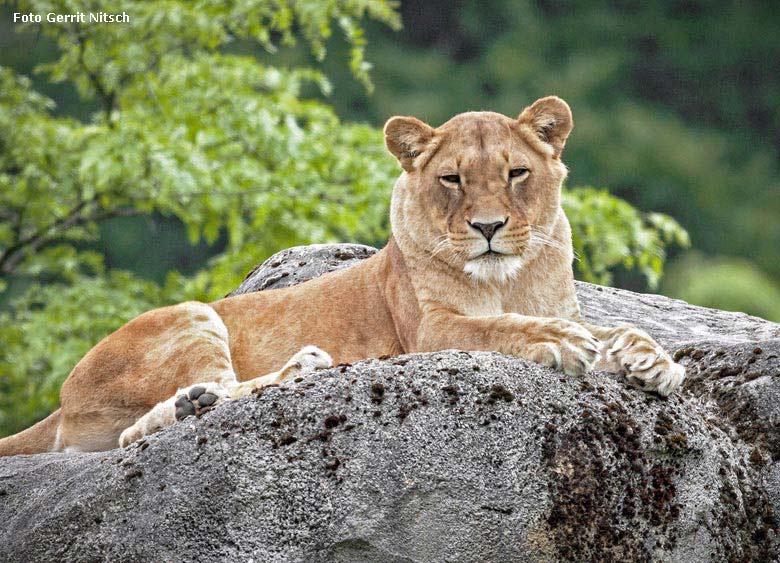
(431, 288)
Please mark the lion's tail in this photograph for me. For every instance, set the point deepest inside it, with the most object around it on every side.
(37, 439)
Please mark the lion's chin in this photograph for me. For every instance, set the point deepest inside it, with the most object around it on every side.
(492, 267)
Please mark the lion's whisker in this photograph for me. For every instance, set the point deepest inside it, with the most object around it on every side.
(541, 237)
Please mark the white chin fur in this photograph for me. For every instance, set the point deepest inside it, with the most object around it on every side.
(493, 268)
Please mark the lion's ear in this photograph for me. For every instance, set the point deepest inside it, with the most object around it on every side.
(551, 121)
(406, 138)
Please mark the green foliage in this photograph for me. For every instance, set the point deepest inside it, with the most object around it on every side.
(51, 327)
(608, 232)
(232, 148)
(38, 159)
(219, 141)
(726, 283)
(102, 59)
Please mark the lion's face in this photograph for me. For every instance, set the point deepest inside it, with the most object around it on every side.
(482, 187)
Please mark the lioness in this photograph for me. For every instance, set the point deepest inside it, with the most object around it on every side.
(480, 258)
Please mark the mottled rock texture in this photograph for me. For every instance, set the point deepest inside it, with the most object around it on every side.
(451, 456)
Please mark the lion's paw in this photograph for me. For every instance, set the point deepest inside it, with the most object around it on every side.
(641, 359)
(564, 345)
(199, 399)
(189, 401)
(130, 435)
(311, 358)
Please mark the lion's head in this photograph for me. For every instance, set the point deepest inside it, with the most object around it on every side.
(477, 191)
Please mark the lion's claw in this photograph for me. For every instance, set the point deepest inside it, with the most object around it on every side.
(645, 364)
(564, 345)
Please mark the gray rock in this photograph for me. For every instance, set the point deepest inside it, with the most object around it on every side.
(451, 456)
(301, 263)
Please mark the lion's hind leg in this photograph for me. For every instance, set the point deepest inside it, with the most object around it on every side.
(202, 397)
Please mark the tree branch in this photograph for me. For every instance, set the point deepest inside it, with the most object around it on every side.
(15, 254)
(107, 97)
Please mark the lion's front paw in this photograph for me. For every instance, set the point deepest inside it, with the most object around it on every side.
(562, 344)
(646, 365)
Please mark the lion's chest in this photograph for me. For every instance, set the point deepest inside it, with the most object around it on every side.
(519, 305)
(520, 300)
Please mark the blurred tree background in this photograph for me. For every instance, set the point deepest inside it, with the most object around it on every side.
(146, 163)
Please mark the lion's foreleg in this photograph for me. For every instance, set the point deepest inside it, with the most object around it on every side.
(558, 343)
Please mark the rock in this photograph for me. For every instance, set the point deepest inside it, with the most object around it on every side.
(302, 263)
(732, 359)
(457, 456)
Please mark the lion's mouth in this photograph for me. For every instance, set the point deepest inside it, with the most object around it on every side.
(492, 254)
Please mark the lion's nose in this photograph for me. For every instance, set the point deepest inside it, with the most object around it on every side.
(488, 229)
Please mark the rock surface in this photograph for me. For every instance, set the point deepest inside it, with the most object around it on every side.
(302, 263)
(452, 456)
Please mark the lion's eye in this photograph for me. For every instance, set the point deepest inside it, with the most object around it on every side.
(450, 178)
(517, 173)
